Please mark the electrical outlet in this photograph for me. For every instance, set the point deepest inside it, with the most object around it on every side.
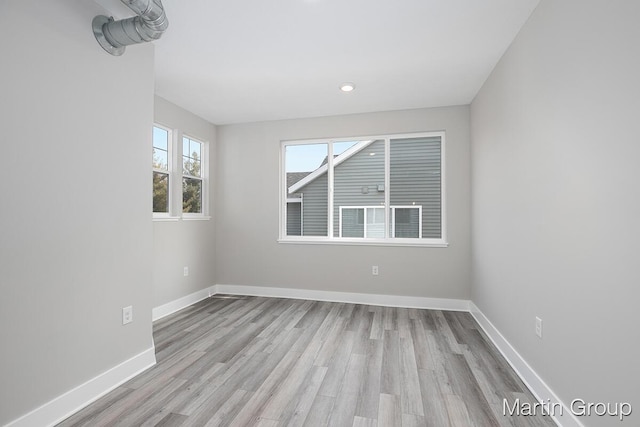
(539, 327)
(186, 271)
(127, 315)
(374, 270)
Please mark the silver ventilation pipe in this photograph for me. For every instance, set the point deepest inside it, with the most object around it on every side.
(148, 25)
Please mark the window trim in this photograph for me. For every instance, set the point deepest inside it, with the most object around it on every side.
(175, 177)
(203, 178)
(441, 242)
(165, 216)
(392, 209)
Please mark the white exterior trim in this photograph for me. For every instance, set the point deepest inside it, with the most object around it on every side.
(532, 380)
(72, 401)
(322, 169)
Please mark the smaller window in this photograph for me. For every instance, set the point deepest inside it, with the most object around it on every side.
(352, 221)
(161, 169)
(192, 180)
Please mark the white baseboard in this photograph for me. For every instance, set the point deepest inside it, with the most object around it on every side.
(349, 297)
(538, 387)
(180, 303)
(72, 401)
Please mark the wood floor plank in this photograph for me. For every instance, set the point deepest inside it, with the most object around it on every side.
(390, 374)
(345, 406)
(250, 412)
(147, 407)
(389, 413)
(433, 402)
(320, 411)
(377, 325)
(364, 422)
(294, 381)
(254, 361)
(411, 420)
(337, 366)
(410, 394)
(458, 412)
(171, 420)
(420, 344)
(369, 394)
(465, 386)
(229, 409)
(297, 411)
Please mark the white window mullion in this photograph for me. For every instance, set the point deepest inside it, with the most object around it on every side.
(163, 144)
(387, 179)
(366, 218)
(175, 171)
(330, 190)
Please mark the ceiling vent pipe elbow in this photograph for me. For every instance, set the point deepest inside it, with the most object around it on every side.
(149, 24)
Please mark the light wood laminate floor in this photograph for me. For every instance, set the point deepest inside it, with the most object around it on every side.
(280, 362)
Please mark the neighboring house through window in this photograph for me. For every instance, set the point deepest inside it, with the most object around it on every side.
(386, 189)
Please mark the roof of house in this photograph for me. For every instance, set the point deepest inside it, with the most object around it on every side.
(293, 178)
(311, 176)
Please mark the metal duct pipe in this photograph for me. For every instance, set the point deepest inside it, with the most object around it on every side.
(149, 24)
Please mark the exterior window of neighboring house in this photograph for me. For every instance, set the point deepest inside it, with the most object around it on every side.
(192, 182)
(172, 161)
(379, 190)
(161, 170)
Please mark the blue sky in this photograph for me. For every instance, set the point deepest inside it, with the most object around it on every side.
(308, 157)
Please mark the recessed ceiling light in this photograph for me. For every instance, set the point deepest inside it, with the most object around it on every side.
(347, 87)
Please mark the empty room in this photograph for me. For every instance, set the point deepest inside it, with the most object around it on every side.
(320, 213)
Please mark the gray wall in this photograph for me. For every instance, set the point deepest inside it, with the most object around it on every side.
(556, 206)
(191, 243)
(75, 197)
(247, 251)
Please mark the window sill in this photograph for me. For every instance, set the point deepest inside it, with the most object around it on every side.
(196, 218)
(364, 242)
(184, 218)
(166, 218)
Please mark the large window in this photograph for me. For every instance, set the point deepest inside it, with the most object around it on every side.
(378, 190)
(179, 175)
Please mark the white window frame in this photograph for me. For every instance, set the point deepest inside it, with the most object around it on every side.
(204, 172)
(441, 242)
(168, 172)
(366, 222)
(175, 177)
(393, 218)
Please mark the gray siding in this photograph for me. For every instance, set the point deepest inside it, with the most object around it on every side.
(361, 170)
(415, 180)
(315, 207)
(294, 219)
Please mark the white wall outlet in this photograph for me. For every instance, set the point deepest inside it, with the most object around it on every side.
(374, 270)
(127, 315)
(539, 327)
(186, 271)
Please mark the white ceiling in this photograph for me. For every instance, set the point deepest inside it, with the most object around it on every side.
(237, 61)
